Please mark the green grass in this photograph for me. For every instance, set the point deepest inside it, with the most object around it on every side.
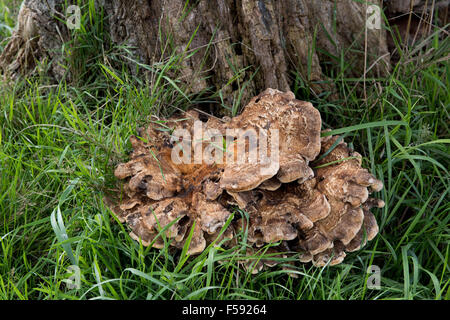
(59, 145)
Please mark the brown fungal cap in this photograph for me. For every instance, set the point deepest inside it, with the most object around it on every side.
(300, 195)
(297, 125)
(212, 215)
(271, 185)
(150, 174)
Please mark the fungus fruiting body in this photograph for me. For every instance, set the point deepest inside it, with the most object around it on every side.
(306, 193)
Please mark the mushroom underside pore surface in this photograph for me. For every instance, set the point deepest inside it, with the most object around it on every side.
(303, 193)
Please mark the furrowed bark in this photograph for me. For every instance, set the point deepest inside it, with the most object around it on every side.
(268, 41)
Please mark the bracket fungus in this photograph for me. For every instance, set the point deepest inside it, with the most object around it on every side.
(305, 193)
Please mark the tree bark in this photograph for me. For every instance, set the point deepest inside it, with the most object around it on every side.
(268, 39)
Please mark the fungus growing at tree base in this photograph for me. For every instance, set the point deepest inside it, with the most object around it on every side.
(308, 194)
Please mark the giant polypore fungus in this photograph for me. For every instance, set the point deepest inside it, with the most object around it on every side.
(307, 193)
